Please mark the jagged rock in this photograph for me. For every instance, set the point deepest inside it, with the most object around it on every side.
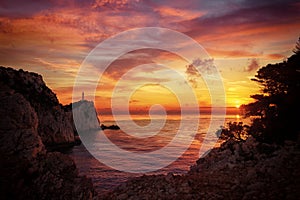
(18, 126)
(235, 170)
(54, 126)
(27, 170)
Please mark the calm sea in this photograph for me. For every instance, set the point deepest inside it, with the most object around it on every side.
(106, 178)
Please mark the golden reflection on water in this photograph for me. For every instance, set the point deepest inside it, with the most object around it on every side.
(106, 178)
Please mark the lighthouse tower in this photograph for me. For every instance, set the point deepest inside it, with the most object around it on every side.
(82, 96)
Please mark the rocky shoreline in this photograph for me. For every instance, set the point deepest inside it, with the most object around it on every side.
(34, 124)
(236, 170)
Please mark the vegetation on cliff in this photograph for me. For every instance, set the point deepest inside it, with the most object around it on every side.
(277, 107)
(260, 161)
(275, 110)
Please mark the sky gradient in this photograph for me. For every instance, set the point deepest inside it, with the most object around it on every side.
(52, 38)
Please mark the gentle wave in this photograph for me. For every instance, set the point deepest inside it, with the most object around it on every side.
(105, 178)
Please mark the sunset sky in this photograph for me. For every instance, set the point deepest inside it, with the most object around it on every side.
(53, 38)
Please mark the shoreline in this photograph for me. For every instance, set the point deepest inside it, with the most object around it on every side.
(35, 123)
(243, 170)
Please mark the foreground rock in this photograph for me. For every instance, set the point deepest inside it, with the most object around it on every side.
(27, 170)
(245, 170)
(54, 126)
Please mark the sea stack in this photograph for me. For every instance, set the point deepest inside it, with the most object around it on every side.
(84, 115)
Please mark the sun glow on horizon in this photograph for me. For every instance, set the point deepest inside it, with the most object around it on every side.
(237, 103)
(53, 40)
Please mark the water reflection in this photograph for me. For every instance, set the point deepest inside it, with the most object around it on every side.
(105, 178)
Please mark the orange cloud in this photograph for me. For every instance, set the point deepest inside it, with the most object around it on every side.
(181, 14)
(253, 66)
(231, 53)
(276, 56)
(54, 37)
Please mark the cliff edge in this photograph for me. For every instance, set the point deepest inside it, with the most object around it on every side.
(32, 118)
(84, 114)
(54, 126)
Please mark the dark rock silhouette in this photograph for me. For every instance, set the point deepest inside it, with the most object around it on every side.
(236, 170)
(277, 106)
(54, 126)
(27, 170)
(111, 127)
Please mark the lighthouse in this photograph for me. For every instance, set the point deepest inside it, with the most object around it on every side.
(82, 96)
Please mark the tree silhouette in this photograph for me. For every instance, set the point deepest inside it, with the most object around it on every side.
(297, 48)
(234, 130)
(276, 109)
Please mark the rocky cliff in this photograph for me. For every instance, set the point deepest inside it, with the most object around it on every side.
(84, 114)
(54, 126)
(32, 118)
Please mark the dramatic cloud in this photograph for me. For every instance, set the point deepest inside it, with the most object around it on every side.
(232, 53)
(114, 4)
(253, 66)
(192, 71)
(197, 68)
(276, 56)
(245, 25)
(54, 37)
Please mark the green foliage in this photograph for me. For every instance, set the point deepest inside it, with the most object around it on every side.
(276, 110)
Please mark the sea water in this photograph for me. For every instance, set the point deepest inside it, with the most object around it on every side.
(105, 178)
